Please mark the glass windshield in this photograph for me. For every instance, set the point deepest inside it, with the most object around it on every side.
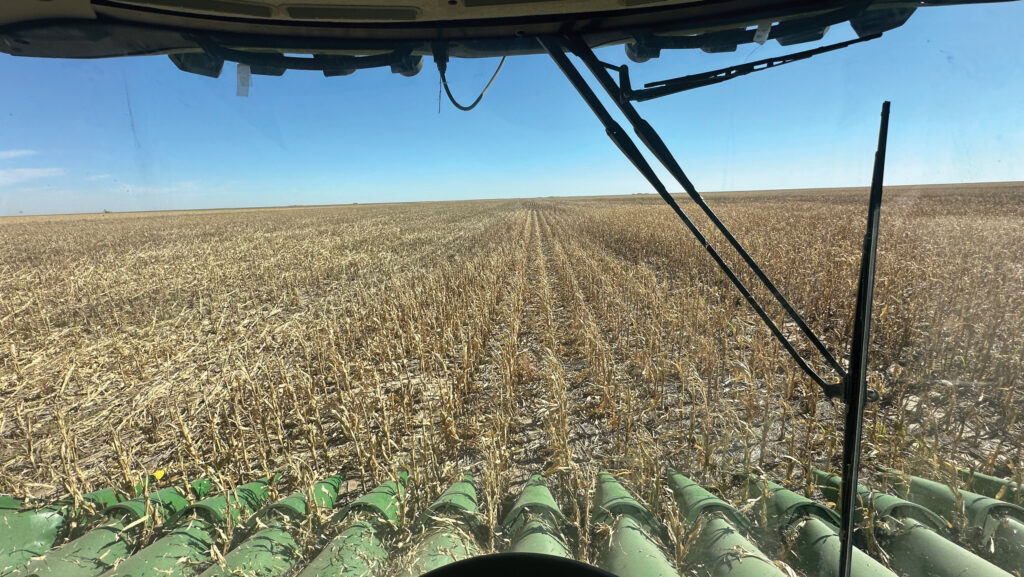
(328, 315)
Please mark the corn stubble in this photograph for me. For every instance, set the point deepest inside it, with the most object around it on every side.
(502, 337)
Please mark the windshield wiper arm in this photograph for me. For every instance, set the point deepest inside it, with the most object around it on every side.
(661, 88)
(650, 138)
(622, 140)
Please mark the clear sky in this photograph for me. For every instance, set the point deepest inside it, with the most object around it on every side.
(137, 134)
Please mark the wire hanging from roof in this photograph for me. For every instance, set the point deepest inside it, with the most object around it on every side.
(442, 68)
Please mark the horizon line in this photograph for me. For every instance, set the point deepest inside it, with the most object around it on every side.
(825, 189)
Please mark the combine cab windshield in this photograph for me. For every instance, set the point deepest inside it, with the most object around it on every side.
(388, 289)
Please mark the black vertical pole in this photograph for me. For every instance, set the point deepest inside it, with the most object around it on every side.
(856, 380)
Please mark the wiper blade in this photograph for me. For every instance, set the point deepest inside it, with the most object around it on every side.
(661, 88)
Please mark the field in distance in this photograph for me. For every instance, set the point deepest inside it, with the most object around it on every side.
(505, 337)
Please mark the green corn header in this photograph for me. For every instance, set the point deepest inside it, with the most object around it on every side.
(184, 531)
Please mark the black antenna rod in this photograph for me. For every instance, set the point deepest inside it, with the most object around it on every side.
(856, 381)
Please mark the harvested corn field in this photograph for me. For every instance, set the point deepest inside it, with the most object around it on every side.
(503, 339)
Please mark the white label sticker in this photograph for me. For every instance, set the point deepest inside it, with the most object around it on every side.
(244, 80)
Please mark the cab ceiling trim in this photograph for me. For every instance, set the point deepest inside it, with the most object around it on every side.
(653, 18)
(211, 6)
(378, 13)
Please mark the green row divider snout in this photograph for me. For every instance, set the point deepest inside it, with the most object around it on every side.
(632, 548)
(194, 532)
(448, 530)
(989, 486)
(363, 526)
(10, 503)
(29, 532)
(535, 524)
(718, 546)
(272, 550)
(807, 532)
(912, 535)
(115, 538)
(995, 529)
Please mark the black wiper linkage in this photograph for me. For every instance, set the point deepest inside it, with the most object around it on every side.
(556, 48)
(852, 386)
(661, 88)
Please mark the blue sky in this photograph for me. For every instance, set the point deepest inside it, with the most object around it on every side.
(137, 134)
